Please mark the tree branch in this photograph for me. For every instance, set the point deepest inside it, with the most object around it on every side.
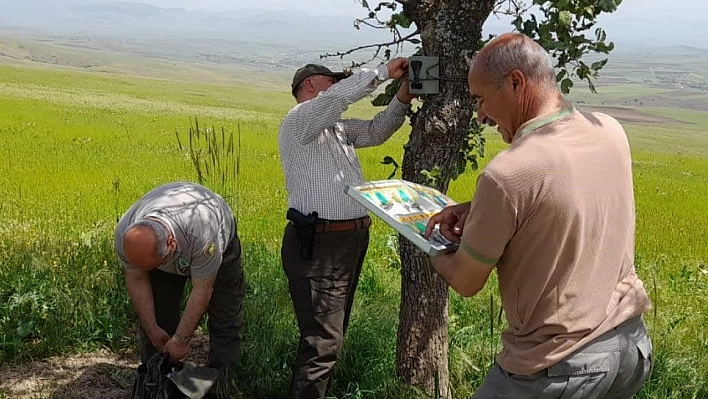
(378, 46)
(379, 25)
(513, 8)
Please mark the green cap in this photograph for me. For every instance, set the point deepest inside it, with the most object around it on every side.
(314, 69)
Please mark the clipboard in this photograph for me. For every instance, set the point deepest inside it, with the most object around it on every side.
(406, 207)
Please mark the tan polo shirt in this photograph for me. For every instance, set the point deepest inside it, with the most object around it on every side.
(555, 213)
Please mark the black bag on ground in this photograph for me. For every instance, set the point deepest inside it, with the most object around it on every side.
(153, 381)
(158, 380)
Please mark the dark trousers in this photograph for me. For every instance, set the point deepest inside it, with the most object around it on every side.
(322, 289)
(225, 308)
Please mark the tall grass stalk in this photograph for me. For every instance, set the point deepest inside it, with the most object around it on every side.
(216, 159)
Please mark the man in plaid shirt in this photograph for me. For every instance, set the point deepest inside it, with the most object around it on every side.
(325, 243)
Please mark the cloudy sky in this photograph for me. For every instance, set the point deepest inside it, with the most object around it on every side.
(691, 10)
(635, 20)
(655, 22)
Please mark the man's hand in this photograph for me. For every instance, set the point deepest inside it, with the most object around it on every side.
(177, 349)
(140, 291)
(158, 337)
(404, 95)
(451, 220)
(197, 304)
(397, 67)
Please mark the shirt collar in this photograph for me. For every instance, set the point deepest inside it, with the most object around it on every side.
(165, 222)
(543, 120)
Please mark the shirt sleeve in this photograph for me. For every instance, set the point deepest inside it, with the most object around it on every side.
(307, 120)
(206, 260)
(376, 131)
(118, 245)
(491, 222)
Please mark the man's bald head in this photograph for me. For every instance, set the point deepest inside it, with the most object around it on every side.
(512, 81)
(515, 51)
(145, 244)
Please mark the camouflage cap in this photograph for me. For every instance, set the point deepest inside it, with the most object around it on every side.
(314, 69)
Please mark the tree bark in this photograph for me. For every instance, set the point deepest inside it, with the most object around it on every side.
(450, 30)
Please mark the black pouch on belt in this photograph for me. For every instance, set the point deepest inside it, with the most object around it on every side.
(305, 227)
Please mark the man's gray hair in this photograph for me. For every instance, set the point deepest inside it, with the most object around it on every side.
(518, 52)
(160, 232)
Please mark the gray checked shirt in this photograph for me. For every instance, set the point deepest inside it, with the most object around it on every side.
(200, 220)
(317, 146)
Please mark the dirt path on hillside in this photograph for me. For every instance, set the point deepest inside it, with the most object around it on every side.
(101, 374)
(630, 115)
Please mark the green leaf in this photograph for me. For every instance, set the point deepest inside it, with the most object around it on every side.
(599, 64)
(529, 27)
(608, 5)
(381, 100)
(517, 23)
(561, 75)
(432, 177)
(25, 329)
(388, 160)
(364, 4)
(545, 35)
(401, 20)
(604, 48)
(557, 45)
(566, 84)
(582, 70)
(564, 18)
(589, 11)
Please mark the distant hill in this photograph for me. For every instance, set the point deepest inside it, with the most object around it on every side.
(284, 38)
(127, 8)
(673, 51)
(250, 37)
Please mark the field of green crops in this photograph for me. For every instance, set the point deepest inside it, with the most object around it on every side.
(77, 148)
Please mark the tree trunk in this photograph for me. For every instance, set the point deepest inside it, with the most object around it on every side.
(450, 30)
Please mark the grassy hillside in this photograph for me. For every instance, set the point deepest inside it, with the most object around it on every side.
(78, 146)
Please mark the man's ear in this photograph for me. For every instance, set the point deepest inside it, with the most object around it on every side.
(518, 80)
(308, 85)
(171, 242)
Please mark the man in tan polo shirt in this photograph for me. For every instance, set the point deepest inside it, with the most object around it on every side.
(554, 213)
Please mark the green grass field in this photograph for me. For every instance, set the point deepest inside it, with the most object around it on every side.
(77, 148)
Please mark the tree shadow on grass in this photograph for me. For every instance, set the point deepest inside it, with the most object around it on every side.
(95, 375)
(102, 380)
